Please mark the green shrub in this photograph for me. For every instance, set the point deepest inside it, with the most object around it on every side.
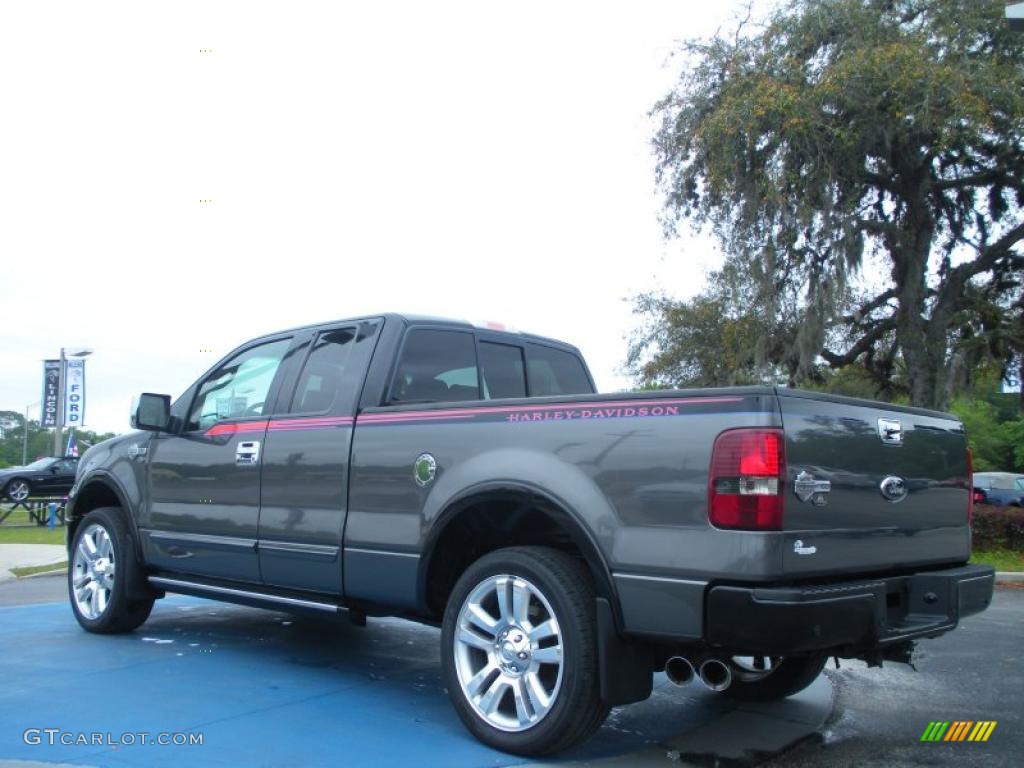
(998, 528)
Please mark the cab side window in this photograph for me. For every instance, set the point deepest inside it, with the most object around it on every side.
(555, 372)
(436, 367)
(322, 375)
(502, 370)
(239, 388)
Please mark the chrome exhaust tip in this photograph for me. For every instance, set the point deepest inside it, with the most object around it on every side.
(715, 674)
(679, 670)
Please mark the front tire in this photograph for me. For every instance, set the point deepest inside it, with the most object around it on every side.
(519, 651)
(787, 676)
(101, 570)
(18, 490)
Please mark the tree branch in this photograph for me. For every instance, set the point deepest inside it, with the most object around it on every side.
(990, 255)
(884, 183)
(858, 316)
(974, 180)
(863, 344)
(875, 227)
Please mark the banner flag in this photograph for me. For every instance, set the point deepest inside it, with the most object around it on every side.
(74, 392)
(51, 385)
(72, 450)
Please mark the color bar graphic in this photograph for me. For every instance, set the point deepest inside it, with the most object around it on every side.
(958, 730)
(934, 731)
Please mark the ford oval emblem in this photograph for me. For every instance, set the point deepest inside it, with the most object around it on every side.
(893, 488)
(424, 470)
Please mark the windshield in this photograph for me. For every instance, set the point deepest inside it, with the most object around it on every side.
(40, 464)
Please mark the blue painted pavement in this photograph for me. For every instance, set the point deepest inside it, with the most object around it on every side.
(264, 689)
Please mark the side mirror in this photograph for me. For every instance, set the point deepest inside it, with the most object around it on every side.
(151, 412)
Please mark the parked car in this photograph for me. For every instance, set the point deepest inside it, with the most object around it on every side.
(569, 544)
(44, 477)
(1000, 489)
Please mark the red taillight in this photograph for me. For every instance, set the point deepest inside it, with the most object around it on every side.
(972, 497)
(745, 486)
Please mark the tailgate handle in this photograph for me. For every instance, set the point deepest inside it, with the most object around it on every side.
(890, 431)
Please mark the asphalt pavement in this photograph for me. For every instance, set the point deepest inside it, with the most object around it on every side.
(974, 673)
(50, 588)
(268, 688)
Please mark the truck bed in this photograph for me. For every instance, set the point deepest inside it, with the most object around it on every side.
(635, 466)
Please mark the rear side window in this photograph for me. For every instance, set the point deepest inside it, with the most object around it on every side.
(322, 375)
(555, 372)
(436, 367)
(502, 370)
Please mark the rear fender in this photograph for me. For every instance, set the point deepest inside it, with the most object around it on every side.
(566, 491)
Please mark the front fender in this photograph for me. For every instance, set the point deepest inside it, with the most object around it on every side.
(110, 469)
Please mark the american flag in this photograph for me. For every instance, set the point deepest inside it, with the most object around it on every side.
(72, 449)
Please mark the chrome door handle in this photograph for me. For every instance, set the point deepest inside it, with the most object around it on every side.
(247, 453)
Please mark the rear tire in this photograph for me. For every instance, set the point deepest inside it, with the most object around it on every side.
(103, 571)
(792, 675)
(519, 651)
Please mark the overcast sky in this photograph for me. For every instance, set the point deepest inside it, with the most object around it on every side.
(487, 161)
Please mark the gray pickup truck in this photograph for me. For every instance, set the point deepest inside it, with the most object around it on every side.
(569, 544)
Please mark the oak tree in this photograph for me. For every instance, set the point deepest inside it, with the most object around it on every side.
(866, 157)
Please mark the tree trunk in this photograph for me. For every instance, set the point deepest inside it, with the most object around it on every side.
(1020, 386)
(954, 377)
(915, 333)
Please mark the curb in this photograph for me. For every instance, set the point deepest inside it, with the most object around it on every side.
(1010, 577)
(42, 573)
(8, 575)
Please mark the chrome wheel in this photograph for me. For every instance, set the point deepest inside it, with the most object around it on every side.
(508, 652)
(17, 490)
(93, 569)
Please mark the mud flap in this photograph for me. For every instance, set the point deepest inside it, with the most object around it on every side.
(136, 585)
(626, 668)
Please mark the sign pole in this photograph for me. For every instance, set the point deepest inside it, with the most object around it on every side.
(57, 437)
(24, 439)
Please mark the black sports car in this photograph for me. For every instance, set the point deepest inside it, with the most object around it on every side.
(44, 477)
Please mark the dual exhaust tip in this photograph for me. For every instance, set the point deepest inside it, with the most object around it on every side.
(715, 674)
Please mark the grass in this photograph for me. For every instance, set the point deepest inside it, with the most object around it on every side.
(19, 528)
(17, 517)
(37, 534)
(34, 569)
(1000, 559)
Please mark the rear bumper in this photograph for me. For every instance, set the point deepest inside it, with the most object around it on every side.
(847, 616)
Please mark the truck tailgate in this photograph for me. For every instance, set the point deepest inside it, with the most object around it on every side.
(871, 487)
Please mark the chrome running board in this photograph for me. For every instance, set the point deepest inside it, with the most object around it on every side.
(230, 593)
